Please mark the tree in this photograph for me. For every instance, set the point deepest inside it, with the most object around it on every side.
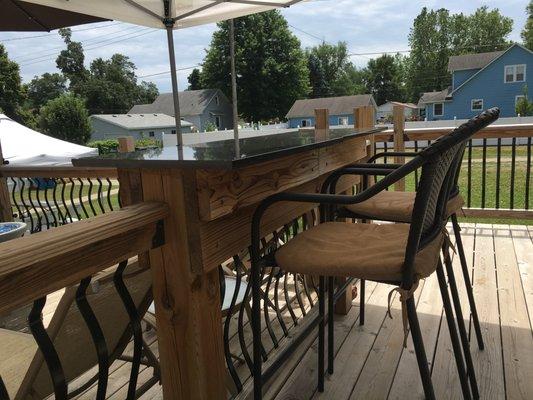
(437, 35)
(66, 118)
(71, 60)
(46, 87)
(271, 67)
(524, 107)
(483, 31)
(383, 78)
(331, 73)
(429, 40)
(194, 80)
(527, 33)
(11, 91)
(111, 86)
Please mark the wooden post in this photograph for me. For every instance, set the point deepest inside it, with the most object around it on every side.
(6, 213)
(186, 296)
(126, 144)
(321, 123)
(363, 119)
(398, 114)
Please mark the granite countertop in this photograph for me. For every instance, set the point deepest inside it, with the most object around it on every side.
(223, 154)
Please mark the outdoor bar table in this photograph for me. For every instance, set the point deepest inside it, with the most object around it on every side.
(212, 193)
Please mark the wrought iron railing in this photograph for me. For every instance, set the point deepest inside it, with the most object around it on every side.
(495, 179)
(287, 298)
(55, 196)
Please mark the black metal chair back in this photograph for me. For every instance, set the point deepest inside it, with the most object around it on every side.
(440, 171)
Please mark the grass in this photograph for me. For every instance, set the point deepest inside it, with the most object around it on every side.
(488, 181)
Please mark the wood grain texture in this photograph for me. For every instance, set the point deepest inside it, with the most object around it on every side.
(187, 303)
(223, 192)
(228, 235)
(517, 341)
(6, 213)
(35, 265)
(398, 116)
(493, 131)
(126, 144)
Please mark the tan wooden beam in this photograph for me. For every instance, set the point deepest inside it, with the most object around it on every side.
(398, 114)
(39, 264)
(6, 213)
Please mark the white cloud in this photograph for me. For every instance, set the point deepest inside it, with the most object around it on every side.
(367, 27)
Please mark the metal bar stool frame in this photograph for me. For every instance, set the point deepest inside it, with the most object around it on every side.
(437, 162)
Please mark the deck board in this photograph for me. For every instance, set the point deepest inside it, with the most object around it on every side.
(371, 363)
(370, 360)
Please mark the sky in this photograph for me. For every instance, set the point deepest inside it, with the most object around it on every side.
(367, 26)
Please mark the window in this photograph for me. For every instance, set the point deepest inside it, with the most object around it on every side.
(343, 120)
(173, 132)
(476, 105)
(218, 121)
(515, 73)
(518, 98)
(438, 109)
(217, 101)
(305, 123)
(151, 133)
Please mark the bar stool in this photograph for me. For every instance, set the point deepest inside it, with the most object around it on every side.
(398, 254)
(398, 207)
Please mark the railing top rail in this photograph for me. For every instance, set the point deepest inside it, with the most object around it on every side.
(39, 264)
(56, 172)
(490, 132)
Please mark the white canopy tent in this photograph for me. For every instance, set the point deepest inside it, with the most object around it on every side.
(23, 146)
(168, 15)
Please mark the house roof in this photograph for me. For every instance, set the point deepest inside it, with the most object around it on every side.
(336, 105)
(192, 102)
(434, 97)
(472, 61)
(140, 121)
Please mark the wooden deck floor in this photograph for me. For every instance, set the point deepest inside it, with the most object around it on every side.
(370, 360)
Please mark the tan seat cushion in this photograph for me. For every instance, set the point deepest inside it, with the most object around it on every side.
(17, 350)
(367, 251)
(397, 206)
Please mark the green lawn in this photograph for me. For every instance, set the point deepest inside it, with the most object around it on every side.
(489, 183)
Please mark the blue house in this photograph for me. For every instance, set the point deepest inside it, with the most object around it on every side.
(302, 112)
(480, 81)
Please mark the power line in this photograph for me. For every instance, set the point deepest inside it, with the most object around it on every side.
(83, 42)
(50, 33)
(168, 72)
(307, 33)
(105, 43)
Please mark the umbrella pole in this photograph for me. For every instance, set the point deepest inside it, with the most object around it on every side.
(174, 76)
(234, 88)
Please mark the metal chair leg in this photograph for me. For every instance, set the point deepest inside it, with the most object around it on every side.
(256, 331)
(331, 344)
(461, 323)
(420, 350)
(466, 276)
(321, 331)
(362, 303)
(463, 377)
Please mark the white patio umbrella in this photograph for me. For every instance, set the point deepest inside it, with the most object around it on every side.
(169, 15)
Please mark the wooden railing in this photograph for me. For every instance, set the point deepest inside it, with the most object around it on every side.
(495, 178)
(67, 259)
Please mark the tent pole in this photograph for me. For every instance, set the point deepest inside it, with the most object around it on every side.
(234, 88)
(174, 76)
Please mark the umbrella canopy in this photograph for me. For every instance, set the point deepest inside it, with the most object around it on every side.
(153, 13)
(21, 16)
(24, 146)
